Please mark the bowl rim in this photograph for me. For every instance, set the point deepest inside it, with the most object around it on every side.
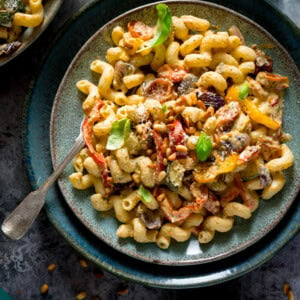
(77, 212)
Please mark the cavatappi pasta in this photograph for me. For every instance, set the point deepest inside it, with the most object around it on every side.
(14, 16)
(182, 137)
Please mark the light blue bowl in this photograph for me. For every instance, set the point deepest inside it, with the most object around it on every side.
(37, 154)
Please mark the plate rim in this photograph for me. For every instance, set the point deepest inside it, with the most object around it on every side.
(290, 230)
(44, 26)
(190, 261)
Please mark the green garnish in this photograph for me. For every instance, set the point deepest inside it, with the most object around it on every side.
(203, 147)
(165, 109)
(163, 27)
(118, 134)
(244, 91)
(145, 194)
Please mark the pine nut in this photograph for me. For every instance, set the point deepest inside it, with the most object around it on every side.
(181, 148)
(44, 288)
(161, 197)
(51, 267)
(172, 157)
(81, 296)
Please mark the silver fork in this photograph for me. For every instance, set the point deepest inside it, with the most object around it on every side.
(18, 222)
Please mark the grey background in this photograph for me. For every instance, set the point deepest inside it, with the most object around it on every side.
(23, 264)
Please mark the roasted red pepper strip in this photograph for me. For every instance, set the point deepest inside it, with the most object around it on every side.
(158, 140)
(176, 137)
(87, 135)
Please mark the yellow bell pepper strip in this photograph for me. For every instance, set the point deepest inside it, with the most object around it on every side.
(235, 92)
(87, 135)
(256, 115)
(206, 173)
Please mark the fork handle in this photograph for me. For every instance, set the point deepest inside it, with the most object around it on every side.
(18, 222)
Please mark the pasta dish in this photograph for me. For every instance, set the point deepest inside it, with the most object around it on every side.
(183, 130)
(14, 15)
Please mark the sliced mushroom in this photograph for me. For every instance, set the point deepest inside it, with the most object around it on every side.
(151, 218)
(235, 142)
(122, 69)
(187, 84)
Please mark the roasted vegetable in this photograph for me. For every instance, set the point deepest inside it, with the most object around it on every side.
(6, 18)
(263, 62)
(187, 84)
(160, 89)
(12, 5)
(151, 218)
(256, 115)
(210, 99)
(175, 75)
(140, 30)
(87, 134)
(122, 69)
(177, 137)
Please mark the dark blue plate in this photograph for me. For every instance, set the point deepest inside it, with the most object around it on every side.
(37, 150)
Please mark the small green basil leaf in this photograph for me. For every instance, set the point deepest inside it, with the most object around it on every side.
(203, 147)
(244, 91)
(118, 134)
(165, 109)
(163, 27)
(145, 194)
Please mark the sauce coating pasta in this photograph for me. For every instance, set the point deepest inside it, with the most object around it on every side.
(184, 136)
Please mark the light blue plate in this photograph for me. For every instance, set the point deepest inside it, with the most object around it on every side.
(67, 116)
(39, 163)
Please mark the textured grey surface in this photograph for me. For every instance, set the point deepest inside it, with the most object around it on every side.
(23, 264)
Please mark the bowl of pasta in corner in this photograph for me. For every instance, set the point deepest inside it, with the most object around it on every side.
(21, 23)
(188, 154)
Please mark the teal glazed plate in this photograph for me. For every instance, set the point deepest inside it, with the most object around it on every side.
(37, 155)
(29, 35)
(67, 116)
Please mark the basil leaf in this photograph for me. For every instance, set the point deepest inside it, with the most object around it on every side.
(118, 134)
(244, 91)
(203, 147)
(163, 27)
(145, 194)
(165, 109)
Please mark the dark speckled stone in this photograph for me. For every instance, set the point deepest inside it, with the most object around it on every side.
(23, 264)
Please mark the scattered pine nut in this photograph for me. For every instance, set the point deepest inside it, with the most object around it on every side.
(181, 148)
(81, 296)
(172, 157)
(83, 263)
(122, 291)
(44, 288)
(161, 197)
(51, 267)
